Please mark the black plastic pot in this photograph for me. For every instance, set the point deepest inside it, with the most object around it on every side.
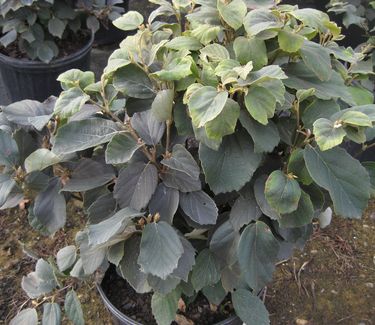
(26, 79)
(111, 35)
(121, 319)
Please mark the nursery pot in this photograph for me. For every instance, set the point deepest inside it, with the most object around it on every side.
(111, 35)
(27, 79)
(121, 319)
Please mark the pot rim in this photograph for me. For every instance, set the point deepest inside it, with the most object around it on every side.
(31, 65)
(131, 321)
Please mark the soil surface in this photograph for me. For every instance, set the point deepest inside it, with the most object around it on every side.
(331, 282)
(72, 44)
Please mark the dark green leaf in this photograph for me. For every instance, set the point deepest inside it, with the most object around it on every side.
(135, 185)
(165, 202)
(9, 155)
(200, 207)
(265, 137)
(89, 174)
(26, 316)
(133, 82)
(50, 207)
(66, 257)
(250, 308)
(73, 308)
(282, 192)
(300, 217)
(206, 270)
(257, 253)
(147, 127)
(121, 149)
(164, 307)
(161, 249)
(236, 150)
(345, 179)
(51, 314)
(81, 135)
(129, 267)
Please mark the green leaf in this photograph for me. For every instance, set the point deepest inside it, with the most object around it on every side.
(41, 281)
(356, 118)
(81, 135)
(225, 123)
(290, 42)
(206, 33)
(318, 109)
(266, 74)
(317, 59)
(76, 78)
(244, 210)
(177, 69)
(199, 207)
(300, 77)
(118, 59)
(66, 257)
(41, 159)
(312, 18)
(184, 43)
(26, 316)
(215, 294)
(215, 52)
(116, 253)
(328, 134)
(257, 253)
(50, 206)
(300, 217)
(89, 174)
(304, 94)
(205, 104)
(297, 166)
(133, 82)
(135, 185)
(7, 184)
(260, 103)
(51, 314)
(161, 249)
(265, 137)
(206, 270)
(182, 160)
(250, 308)
(73, 309)
(232, 13)
(345, 179)
(251, 49)
(44, 52)
(56, 27)
(104, 231)
(282, 192)
(129, 267)
(259, 20)
(361, 95)
(164, 307)
(163, 104)
(148, 128)
(165, 202)
(236, 150)
(9, 155)
(70, 102)
(129, 21)
(121, 149)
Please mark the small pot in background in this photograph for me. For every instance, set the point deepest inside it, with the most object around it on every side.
(27, 79)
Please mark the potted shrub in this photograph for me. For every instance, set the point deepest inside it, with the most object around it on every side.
(40, 40)
(202, 157)
(100, 17)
